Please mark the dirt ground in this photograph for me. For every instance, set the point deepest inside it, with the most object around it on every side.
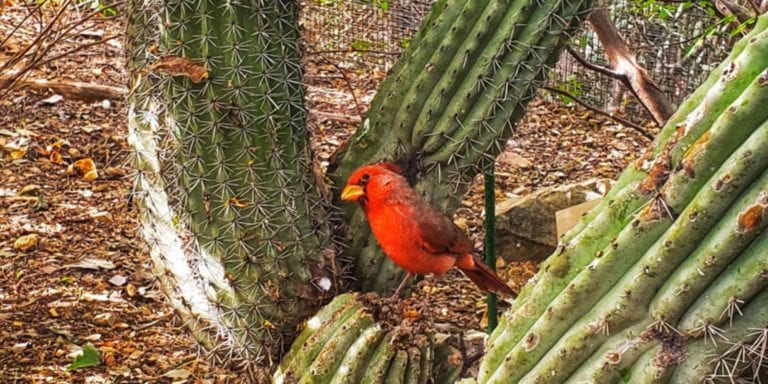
(73, 270)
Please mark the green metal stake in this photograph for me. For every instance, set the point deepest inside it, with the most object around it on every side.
(490, 241)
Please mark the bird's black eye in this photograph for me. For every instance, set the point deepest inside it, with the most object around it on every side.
(365, 178)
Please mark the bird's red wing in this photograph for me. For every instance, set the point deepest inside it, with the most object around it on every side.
(439, 235)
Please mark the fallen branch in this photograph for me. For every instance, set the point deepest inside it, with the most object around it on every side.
(69, 89)
(586, 105)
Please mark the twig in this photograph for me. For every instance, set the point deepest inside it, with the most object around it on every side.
(597, 68)
(310, 53)
(618, 119)
(17, 26)
(349, 85)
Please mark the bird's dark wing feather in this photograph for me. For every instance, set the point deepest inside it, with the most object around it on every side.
(439, 234)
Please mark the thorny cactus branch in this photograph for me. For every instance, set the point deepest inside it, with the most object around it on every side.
(638, 274)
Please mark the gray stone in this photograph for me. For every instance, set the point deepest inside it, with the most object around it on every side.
(526, 228)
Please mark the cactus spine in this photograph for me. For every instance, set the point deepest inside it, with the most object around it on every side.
(653, 270)
(224, 177)
(450, 105)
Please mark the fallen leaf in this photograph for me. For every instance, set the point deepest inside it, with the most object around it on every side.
(181, 66)
(53, 100)
(85, 167)
(29, 190)
(19, 347)
(238, 203)
(109, 359)
(26, 242)
(130, 289)
(88, 358)
(178, 374)
(55, 157)
(94, 264)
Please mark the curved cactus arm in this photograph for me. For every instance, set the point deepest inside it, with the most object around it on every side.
(617, 355)
(312, 325)
(723, 133)
(449, 363)
(396, 371)
(618, 309)
(315, 343)
(743, 279)
(326, 363)
(651, 368)
(726, 242)
(427, 358)
(378, 365)
(351, 369)
(748, 327)
(413, 370)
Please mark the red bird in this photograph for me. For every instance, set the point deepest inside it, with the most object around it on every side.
(415, 235)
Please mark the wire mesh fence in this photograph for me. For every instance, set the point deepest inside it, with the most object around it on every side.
(678, 43)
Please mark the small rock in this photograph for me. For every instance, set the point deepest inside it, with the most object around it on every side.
(118, 280)
(27, 242)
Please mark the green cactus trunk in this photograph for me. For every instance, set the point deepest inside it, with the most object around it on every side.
(673, 259)
(225, 183)
(448, 107)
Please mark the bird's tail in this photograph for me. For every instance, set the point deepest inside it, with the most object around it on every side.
(485, 278)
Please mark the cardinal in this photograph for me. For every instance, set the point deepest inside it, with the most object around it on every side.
(415, 235)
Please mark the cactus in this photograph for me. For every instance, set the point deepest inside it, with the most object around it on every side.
(675, 256)
(451, 103)
(359, 338)
(224, 177)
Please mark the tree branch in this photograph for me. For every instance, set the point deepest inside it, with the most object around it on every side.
(625, 68)
(71, 89)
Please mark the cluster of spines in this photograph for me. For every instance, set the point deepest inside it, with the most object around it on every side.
(449, 106)
(230, 157)
(637, 270)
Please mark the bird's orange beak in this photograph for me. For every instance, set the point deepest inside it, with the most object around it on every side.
(352, 193)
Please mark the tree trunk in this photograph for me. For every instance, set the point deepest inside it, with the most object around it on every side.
(674, 256)
(225, 186)
(449, 106)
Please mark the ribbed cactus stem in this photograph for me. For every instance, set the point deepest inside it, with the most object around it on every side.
(621, 283)
(617, 309)
(744, 278)
(732, 348)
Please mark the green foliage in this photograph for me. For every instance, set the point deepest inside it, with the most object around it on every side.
(89, 358)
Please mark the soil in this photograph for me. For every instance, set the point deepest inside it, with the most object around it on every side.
(74, 270)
